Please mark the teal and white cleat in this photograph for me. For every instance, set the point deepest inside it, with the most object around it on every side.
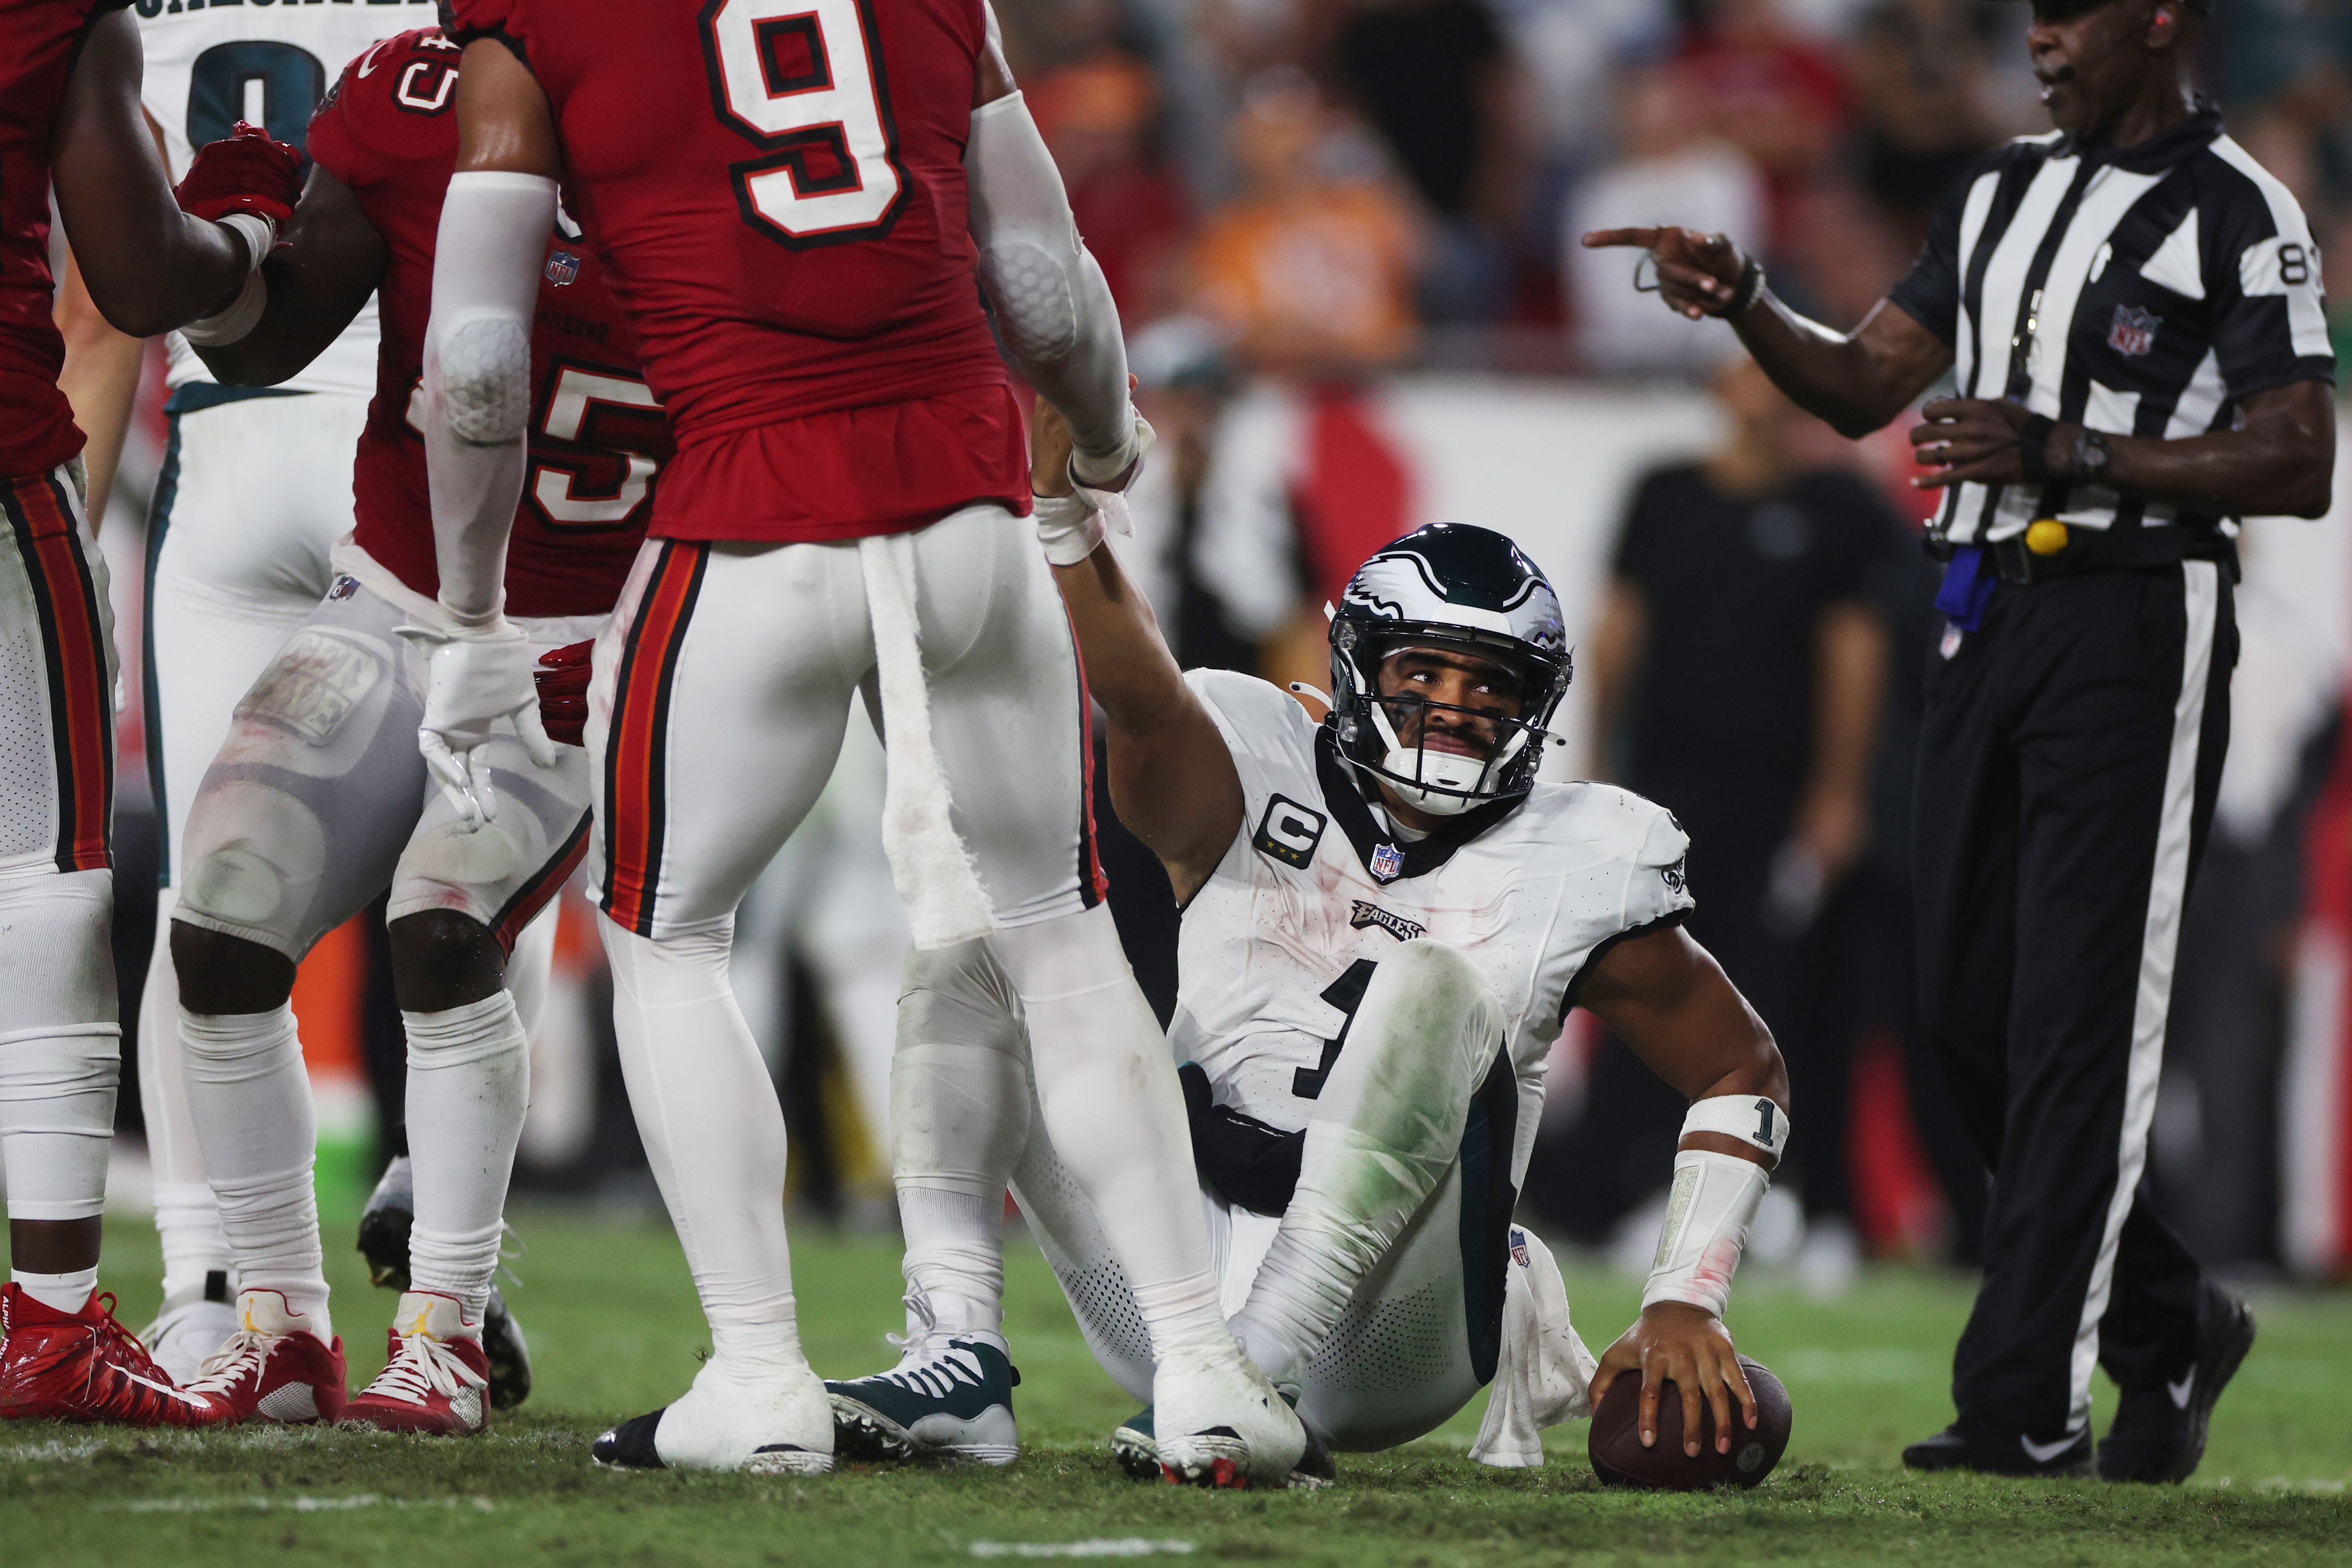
(950, 1397)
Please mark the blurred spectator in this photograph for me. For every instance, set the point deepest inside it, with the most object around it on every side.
(1099, 117)
(1674, 170)
(1778, 96)
(1739, 668)
(1574, 51)
(1311, 265)
(1439, 82)
(1917, 67)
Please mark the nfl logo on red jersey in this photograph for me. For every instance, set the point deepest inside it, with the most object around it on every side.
(563, 267)
(2133, 331)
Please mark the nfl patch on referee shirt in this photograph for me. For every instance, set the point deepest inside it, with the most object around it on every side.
(2133, 332)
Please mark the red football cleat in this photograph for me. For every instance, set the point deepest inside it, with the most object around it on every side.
(273, 1368)
(435, 1379)
(84, 1366)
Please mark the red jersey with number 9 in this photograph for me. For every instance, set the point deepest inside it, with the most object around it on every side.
(38, 42)
(388, 130)
(778, 189)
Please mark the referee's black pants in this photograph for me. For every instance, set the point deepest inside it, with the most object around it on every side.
(2069, 754)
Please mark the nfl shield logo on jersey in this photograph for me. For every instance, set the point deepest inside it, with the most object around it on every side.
(2133, 331)
(563, 267)
(1387, 861)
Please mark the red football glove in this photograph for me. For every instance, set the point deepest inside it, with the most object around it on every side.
(562, 677)
(245, 173)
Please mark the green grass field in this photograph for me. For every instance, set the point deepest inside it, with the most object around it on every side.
(614, 1331)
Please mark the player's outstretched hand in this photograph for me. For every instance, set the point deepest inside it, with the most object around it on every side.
(1699, 274)
(1689, 1347)
(474, 676)
(246, 171)
(562, 680)
(1071, 515)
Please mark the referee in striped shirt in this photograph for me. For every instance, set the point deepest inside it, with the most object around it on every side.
(2130, 307)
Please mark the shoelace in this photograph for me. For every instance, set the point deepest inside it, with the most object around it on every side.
(936, 1374)
(424, 1367)
(242, 1354)
(123, 1343)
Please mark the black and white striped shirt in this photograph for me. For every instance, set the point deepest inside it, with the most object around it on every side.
(2145, 291)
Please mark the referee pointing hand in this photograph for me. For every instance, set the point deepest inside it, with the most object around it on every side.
(2131, 310)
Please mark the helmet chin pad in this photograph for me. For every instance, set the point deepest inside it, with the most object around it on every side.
(1442, 783)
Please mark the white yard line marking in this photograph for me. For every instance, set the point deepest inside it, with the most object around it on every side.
(299, 1503)
(1124, 1546)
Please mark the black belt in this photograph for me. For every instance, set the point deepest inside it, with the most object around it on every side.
(2101, 550)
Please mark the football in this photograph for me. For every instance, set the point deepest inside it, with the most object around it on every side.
(1619, 1460)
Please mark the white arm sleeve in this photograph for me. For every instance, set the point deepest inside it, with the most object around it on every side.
(1052, 306)
(493, 242)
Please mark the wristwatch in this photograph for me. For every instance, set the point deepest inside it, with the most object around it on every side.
(2091, 454)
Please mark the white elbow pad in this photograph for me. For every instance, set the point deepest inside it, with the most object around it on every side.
(1052, 306)
(484, 375)
(1713, 1203)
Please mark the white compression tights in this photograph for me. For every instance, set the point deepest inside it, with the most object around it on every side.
(713, 1130)
(1110, 1102)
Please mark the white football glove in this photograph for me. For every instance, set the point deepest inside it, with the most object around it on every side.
(1071, 526)
(474, 676)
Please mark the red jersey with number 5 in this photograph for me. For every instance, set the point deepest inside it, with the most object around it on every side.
(38, 42)
(388, 130)
(778, 189)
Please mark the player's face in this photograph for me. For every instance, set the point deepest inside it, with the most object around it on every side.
(2087, 56)
(1474, 693)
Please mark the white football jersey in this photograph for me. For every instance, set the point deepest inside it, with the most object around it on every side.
(1277, 946)
(210, 65)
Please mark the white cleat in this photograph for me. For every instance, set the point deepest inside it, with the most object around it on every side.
(1218, 1422)
(184, 1336)
(762, 1422)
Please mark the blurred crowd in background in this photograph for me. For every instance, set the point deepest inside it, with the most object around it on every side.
(1305, 208)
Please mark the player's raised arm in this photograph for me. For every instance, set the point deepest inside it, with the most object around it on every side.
(1172, 778)
(317, 280)
(495, 220)
(149, 265)
(1665, 995)
(1053, 307)
(1856, 381)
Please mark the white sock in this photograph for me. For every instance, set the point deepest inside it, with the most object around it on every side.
(68, 1292)
(469, 1086)
(251, 1102)
(955, 1258)
(714, 1134)
(187, 1221)
(1116, 1116)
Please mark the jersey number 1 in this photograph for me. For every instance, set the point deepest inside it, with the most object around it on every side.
(802, 79)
